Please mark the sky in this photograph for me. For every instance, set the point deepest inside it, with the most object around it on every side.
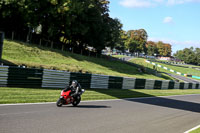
(172, 21)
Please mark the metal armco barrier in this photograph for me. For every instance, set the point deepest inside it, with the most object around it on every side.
(149, 83)
(3, 76)
(24, 77)
(55, 79)
(43, 78)
(115, 82)
(99, 81)
(83, 79)
(128, 83)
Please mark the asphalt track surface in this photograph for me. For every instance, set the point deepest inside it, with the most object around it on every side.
(175, 114)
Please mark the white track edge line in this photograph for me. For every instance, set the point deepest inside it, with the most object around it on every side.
(100, 100)
(192, 129)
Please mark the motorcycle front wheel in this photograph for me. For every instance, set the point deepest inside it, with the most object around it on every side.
(76, 101)
(59, 103)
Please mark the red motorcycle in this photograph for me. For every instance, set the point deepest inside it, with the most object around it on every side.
(66, 98)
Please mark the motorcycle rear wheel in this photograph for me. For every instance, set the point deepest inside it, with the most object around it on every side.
(76, 101)
(59, 103)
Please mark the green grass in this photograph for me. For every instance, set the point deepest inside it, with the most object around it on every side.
(119, 56)
(35, 56)
(196, 131)
(179, 68)
(189, 65)
(141, 61)
(189, 71)
(30, 95)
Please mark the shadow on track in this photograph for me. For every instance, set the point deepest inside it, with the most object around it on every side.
(157, 101)
(171, 103)
(89, 106)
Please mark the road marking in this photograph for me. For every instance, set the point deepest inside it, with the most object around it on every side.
(192, 129)
(101, 100)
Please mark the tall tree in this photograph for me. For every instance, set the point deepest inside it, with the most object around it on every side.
(164, 49)
(138, 39)
(121, 44)
(189, 55)
(77, 23)
(151, 48)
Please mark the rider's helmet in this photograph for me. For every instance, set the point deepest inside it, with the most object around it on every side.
(74, 83)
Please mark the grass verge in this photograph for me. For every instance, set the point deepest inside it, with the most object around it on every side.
(195, 131)
(189, 71)
(37, 56)
(30, 95)
(119, 56)
(141, 61)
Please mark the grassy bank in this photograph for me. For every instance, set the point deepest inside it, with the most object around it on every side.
(36, 56)
(29, 95)
(141, 61)
(190, 71)
(119, 56)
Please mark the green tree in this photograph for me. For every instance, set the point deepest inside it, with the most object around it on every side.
(138, 39)
(164, 49)
(197, 56)
(189, 55)
(151, 48)
(121, 44)
(76, 23)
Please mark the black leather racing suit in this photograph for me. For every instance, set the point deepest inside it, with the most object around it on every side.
(75, 90)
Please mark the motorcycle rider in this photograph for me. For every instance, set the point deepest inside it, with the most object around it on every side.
(71, 94)
(75, 88)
